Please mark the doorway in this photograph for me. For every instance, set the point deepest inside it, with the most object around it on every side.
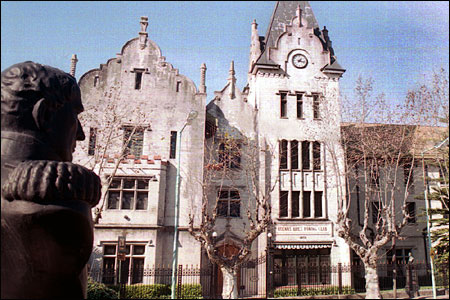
(227, 250)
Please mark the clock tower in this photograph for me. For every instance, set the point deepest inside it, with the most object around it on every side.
(293, 86)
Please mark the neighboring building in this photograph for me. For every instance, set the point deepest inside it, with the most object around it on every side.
(290, 110)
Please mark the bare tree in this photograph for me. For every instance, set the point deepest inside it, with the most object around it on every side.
(376, 157)
(115, 128)
(232, 163)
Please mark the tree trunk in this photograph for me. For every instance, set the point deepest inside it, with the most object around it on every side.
(372, 287)
(230, 284)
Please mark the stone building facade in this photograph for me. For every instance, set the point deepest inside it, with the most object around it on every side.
(289, 110)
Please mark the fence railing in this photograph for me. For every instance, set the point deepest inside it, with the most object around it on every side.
(257, 279)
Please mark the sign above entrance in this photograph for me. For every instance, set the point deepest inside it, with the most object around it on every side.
(304, 229)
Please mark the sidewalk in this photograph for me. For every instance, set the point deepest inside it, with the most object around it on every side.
(424, 294)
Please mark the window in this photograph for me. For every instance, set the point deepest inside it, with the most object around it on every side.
(316, 155)
(138, 79)
(295, 203)
(132, 265)
(306, 204)
(92, 140)
(230, 155)
(284, 203)
(318, 204)
(178, 86)
(408, 173)
(229, 203)
(305, 156)
(294, 154)
(316, 106)
(411, 210)
(283, 154)
(401, 255)
(299, 106)
(173, 144)
(96, 79)
(375, 212)
(128, 193)
(374, 178)
(283, 104)
(135, 138)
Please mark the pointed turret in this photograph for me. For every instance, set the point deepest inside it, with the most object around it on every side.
(232, 80)
(255, 46)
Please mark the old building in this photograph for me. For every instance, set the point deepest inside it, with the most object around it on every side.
(289, 111)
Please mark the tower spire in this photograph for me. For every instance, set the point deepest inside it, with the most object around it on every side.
(255, 46)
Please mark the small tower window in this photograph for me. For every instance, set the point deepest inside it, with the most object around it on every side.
(283, 105)
(316, 106)
(92, 140)
(138, 79)
(299, 106)
(178, 86)
(173, 144)
(96, 80)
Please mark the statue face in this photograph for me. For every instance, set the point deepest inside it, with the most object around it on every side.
(65, 128)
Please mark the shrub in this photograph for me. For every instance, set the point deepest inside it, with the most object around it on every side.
(191, 291)
(147, 291)
(96, 290)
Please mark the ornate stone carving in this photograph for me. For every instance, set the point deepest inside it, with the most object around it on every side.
(47, 230)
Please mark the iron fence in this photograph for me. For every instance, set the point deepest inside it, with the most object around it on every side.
(259, 278)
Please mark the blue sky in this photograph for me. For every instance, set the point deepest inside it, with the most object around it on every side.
(396, 43)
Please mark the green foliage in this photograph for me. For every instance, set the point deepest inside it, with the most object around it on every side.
(332, 290)
(158, 291)
(146, 291)
(96, 290)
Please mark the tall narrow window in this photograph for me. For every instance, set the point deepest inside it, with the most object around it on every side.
(299, 106)
(318, 204)
(92, 140)
(138, 79)
(96, 79)
(283, 105)
(294, 155)
(284, 203)
(295, 203)
(134, 137)
(283, 154)
(230, 155)
(173, 144)
(178, 85)
(408, 174)
(316, 155)
(306, 204)
(305, 156)
(316, 106)
(375, 212)
(411, 209)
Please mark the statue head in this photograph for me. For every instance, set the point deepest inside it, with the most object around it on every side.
(42, 102)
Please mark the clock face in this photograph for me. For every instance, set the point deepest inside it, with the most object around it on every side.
(299, 61)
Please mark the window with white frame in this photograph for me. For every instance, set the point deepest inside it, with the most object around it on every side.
(128, 193)
(229, 203)
(132, 268)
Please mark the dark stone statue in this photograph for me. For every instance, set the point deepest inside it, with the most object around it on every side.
(46, 201)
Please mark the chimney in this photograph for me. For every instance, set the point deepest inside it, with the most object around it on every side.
(143, 33)
(202, 88)
(73, 64)
(232, 80)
